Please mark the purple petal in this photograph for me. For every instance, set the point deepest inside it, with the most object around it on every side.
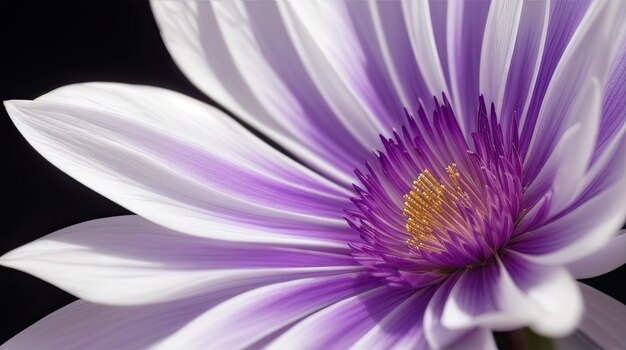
(525, 62)
(565, 170)
(485, 296)
(440, 337)
(466, 25)
(417, 16)
(437, 335)
(576, 341)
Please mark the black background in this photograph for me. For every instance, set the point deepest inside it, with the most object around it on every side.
(48, 44)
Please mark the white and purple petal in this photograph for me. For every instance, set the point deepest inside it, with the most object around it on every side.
(607, 259)
(252, 250)
(604, 322)
(84, 325)
(601, 29)
(182, 164)
(249, 318)
(128, 260)
(351, 318)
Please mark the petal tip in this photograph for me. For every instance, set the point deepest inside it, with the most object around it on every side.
(15, 108)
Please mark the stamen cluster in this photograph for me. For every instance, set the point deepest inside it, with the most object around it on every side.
(432, 203)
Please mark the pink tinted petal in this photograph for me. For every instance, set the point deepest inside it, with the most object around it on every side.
(128, 260)
(248, 318)
(350, 320)
(180, 163)
(608, 258)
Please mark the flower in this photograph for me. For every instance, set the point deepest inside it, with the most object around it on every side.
(476, 215)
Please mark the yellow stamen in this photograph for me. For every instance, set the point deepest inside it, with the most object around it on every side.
(431, 206)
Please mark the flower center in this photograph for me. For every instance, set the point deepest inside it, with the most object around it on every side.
(433, 203)
(432, 209)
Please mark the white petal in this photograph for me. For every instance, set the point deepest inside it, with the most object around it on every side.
(607, 160)
(605, 319)
(438, 336)
(607, 259)
(180, 163)
(497, 49)
(127, 260)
